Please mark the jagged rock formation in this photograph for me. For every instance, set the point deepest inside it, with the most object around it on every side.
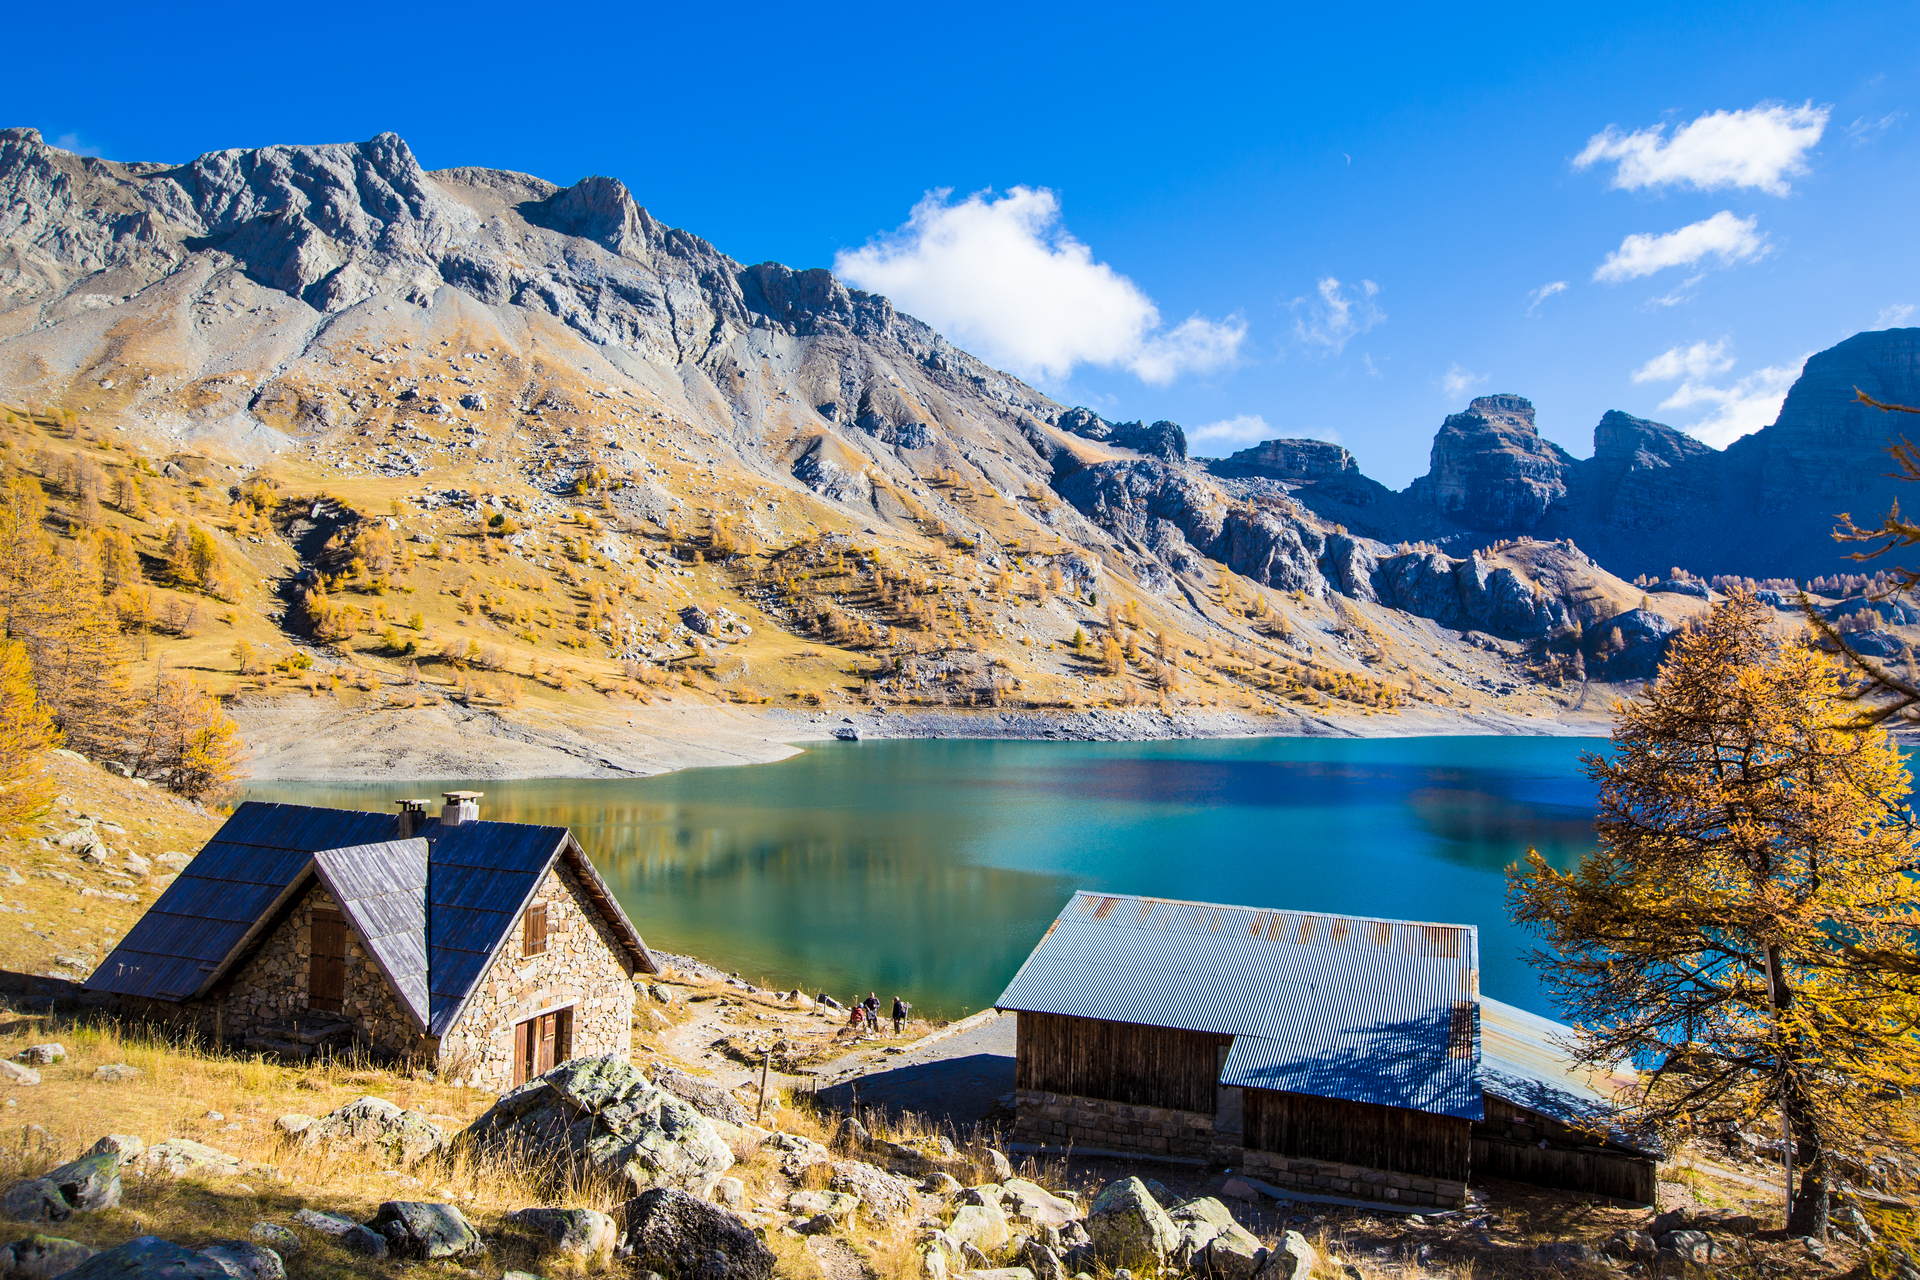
(1492, 470)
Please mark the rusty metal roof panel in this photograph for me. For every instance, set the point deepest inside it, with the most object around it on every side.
(1321, 991)
(1528, 1060)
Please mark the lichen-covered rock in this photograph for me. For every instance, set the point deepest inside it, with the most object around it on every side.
(125, 1145)
(1295, 1259)
(980, 1225)
(14, 1073)
(578, 1233)
(35, 1200)
(1030, 1202)
(1128, 1226)
(886, 1196)
(797, 1153)
(837, 1205)
(602, 1115)
(148, 1258)
(41, 1055)
(400, 1135)
(89, 1183)
(670, 1232)
(246, 1260)
(704, 1096)
(41, 1257)
(331, 1224)
(420, 1229)
(184, 1155)
(276, 1237)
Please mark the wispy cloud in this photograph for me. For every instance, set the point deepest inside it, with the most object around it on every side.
(1336, 315)
(1231, 433)
(1457, 381)
(1677, 296)
(1723, 236)
(1002, 276)
(1544, 292)
(71, 142)
(1894, 316)
(1866, 129)
(1758, 149)
(1743, 407)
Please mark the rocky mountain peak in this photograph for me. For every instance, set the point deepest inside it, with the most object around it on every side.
(1160, 440)
(1291, 460)
(1637, 442)
(595, 208)
(1491, 469)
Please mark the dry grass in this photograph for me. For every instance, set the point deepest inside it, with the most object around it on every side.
(179, 1083)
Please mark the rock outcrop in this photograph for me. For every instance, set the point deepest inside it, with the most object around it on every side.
(1491, 468)
(673, 1233)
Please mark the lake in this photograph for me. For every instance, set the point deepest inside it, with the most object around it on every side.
(930, 868)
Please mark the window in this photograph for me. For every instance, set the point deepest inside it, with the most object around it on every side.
(327, 962)
(533, 931)
(542, 1043)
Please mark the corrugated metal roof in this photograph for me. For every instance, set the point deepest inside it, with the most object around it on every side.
(434, 909)
(1525, 1059)
(1342, 1006)
(382, 891)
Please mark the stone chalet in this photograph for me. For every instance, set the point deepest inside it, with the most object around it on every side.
(488, 951)
(1328, 1056)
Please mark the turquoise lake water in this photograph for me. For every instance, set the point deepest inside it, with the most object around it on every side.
(930, 868)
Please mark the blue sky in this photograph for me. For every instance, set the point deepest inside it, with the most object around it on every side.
(1144, 206)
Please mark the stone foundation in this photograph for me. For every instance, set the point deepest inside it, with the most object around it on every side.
(1063, 1120)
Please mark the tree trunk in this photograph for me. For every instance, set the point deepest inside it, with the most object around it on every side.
(1811, 1202)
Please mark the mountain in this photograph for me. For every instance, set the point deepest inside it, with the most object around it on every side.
(572, 439)
(1650, 498)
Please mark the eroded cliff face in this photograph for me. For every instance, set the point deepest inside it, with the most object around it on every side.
(1492, 470)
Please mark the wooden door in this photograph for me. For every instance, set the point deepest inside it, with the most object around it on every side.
(327, 962)
(540, 1044)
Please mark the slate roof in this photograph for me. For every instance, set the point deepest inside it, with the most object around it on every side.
(1335, 1006)
(433, 909)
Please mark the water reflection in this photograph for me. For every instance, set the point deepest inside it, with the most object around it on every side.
(931, 868)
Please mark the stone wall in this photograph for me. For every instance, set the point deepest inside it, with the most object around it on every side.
(267, 993)
(584, 967)
(1060, 1120)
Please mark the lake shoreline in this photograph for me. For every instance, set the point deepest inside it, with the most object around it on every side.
(323, 740)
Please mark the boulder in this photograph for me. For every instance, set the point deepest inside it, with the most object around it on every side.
(819, 1224)
(35, 1200)
(837, 1205)
(294, 1123)
(1127, 1225)
(1562, 1252)
(704, 1096)
(980, 1225)
(1688, 1246)
(1001, 1166)
(331, 1224)
(41, 1257)
(660, 993)
(364, 1241)
(275, 1237)
(730, 1193)
(419, 1229)
(246, 1260)
(603, 1116)
(112, 1073)
(1295, 1259)
(1234, 1254)
(885, 1195)
(578, 1233)
(399, 1135)
(1043, 1261)
(671, 1232)
(89, 1183)
(14, 1073)
(940, 1184)
(125, 1145)
(148, 1258)
(1033, 1203)
(851, 1133)
(1630, 1246)
(183, 1155)
(41, 1055)
(797, 1153)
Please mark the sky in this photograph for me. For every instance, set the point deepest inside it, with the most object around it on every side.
(1256, 221)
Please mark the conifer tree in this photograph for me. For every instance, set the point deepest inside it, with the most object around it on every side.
(188, 739)
(26, 730)
(1746, 930)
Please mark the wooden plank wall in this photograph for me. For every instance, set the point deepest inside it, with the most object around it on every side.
(1118, 1061)
(1390, 1138)
(1589, 1169)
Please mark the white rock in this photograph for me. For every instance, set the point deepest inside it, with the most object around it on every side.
(14, 1073)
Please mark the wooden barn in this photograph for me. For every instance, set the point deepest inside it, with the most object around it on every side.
(1328, 1055)
(487, 950)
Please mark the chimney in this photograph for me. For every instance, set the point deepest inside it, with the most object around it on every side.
(461, 807)
(413, 816)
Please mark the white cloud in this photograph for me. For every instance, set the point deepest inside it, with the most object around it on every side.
(1701, 360)
(1232, 433)
(1337, 316)
(1002, 277)
(71, 142)
(1456, 382)
(1544, 292)
(1729, 238)
(1894, 316)
(1759, 148)
(1750, 403)
(1677, 296)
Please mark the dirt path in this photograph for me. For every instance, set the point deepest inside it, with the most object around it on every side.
(957, 1079)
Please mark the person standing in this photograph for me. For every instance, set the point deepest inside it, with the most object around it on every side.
(900, 1011)
(872, 1005)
